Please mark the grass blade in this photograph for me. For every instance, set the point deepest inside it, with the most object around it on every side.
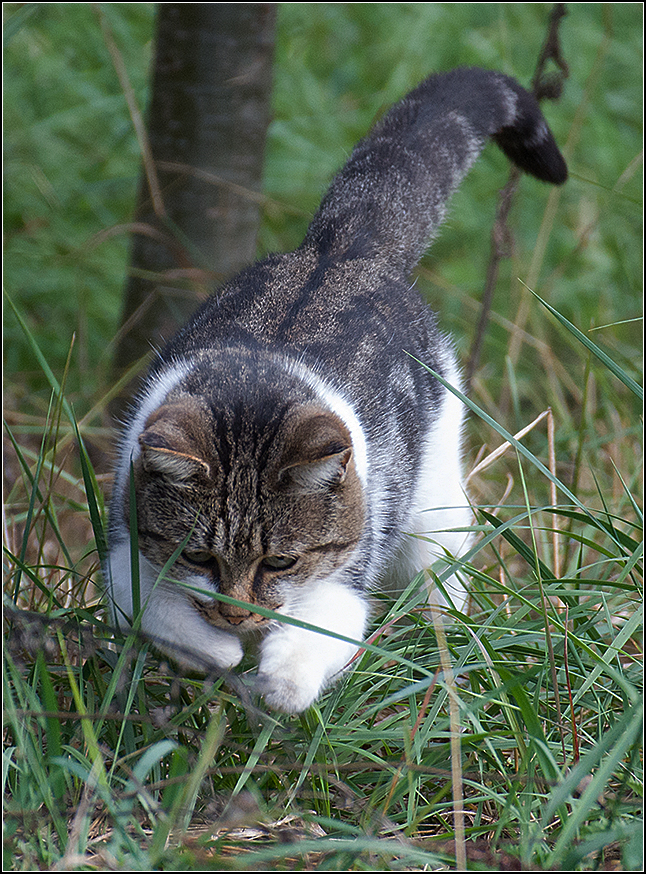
(602, 356)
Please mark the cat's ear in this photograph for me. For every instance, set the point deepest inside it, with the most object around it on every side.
(169, 445)
(318, 454)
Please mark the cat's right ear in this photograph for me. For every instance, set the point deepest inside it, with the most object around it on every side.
(318, 454)
(169, 448)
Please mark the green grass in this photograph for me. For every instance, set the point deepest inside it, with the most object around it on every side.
(111, 760)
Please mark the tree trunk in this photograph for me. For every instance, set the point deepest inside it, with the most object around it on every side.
(207, 122)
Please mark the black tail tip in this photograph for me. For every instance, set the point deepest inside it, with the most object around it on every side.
(536, 154)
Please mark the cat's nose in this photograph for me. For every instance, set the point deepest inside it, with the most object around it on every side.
(234, 615)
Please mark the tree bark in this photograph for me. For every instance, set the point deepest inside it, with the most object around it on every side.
(207, 121)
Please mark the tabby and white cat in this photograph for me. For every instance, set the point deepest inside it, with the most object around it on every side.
(284, 443)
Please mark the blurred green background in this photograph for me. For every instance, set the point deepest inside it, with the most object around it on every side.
(72, 165)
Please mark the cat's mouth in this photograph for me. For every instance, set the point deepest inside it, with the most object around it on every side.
(230, 616)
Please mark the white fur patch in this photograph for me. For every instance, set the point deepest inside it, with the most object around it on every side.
(155, 395)
(169, 620)
(440, 504)
(296, 664)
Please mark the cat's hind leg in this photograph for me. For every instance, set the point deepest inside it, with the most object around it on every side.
(441, 518)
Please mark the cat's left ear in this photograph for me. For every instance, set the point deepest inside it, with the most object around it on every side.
(169, 445)
(318, 453)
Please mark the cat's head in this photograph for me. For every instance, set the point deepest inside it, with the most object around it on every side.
(265, 499)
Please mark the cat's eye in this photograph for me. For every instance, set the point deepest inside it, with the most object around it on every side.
(198, 556)
(278, 562)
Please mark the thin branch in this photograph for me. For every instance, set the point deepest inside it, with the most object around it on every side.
(544, 87)
(135, 115)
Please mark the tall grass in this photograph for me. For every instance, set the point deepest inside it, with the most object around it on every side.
(123, 755)
(111, 759)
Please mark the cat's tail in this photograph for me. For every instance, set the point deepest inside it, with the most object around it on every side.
(390, 198)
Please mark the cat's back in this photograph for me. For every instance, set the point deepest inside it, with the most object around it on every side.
(347, 319)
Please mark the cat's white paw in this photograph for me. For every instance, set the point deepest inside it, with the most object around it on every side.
(287, 693)
(297, 664)
(212, 647)
(290, 675)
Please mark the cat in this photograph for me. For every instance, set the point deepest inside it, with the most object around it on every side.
(288, 449)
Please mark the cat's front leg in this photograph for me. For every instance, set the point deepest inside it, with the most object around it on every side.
(170, 618)
(172, 622)
(297, 664)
